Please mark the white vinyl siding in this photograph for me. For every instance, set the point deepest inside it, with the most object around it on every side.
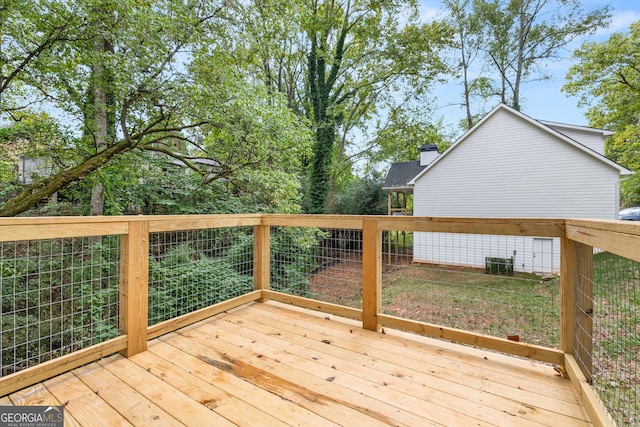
(591, 139)
(510, 168)
(471, 250)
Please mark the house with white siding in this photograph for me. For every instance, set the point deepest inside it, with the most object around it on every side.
(512, 166)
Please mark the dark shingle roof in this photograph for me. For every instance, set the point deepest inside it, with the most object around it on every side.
(400, 174)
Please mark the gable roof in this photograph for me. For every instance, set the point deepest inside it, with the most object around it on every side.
(545, 126)
(400, 174)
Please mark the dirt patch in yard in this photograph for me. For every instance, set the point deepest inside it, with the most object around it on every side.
(465, 298)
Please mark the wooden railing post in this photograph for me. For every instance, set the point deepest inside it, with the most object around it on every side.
(262, 258)
(568, 284)
(583, 349)
(576, 306)
(371, 274)
(134, 287)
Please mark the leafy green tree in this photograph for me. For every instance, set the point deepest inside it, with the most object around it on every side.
(400, 138)
(607, 79)
(358, 54)
(339, 64)
(29, 29)
(517, 38)
(147, 86)
(363, 196)
(158, 77)
(268, 44)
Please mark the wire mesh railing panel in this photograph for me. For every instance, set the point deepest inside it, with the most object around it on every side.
(319, 263)
(193, 269)
(476, 284)
(58, 296)
(614, 295)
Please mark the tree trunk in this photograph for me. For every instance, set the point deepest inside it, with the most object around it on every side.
(321, 85)
(99, 87)
(97, 200)
(467, 90)
(320, 168)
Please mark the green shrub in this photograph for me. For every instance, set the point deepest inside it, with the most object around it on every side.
(186, 280)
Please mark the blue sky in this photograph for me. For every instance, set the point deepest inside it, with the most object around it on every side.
(544, 100)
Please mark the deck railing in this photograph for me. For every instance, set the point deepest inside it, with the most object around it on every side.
(77, 289)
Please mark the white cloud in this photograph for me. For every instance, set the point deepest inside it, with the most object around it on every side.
(620, 21)
(429, 13)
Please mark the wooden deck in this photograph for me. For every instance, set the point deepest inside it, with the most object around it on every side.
(268, 364)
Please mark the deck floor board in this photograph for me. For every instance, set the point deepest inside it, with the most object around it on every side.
(266, 364)
(498, 402)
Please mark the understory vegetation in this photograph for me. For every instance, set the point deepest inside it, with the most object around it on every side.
(62, 295)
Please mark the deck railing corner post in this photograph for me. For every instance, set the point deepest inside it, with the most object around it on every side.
(262, 259)
(576, 303)
(568, 283)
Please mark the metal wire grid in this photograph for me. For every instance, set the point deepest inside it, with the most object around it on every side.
(612, 295)
(58, 296)
(193, 269)
(471, 284)
(320, 263)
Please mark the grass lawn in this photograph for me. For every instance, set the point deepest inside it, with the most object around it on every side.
(521, 305)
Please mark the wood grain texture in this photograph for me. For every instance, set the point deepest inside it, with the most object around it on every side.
(371, 274)
(261, 257)
(268, 364)
(621, 242)
(134, 287)
(198, 315)
(60, 365)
